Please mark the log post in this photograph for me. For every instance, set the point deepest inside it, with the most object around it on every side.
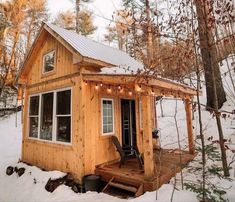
(147, 137)
(189, 125)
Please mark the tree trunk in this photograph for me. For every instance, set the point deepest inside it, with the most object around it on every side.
(77, 15)
(207, 51)
(215, 82)
(149, 34)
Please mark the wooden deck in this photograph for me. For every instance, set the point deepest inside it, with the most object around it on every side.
(167, 164)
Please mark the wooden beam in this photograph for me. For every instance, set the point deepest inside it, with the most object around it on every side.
(147, 137)
(189, 126)
(158, 83)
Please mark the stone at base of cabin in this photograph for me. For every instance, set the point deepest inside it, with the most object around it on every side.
(69, 182)
(16, 169)
(10, 170)
(53, 184)
(76, 188)
(20, 171)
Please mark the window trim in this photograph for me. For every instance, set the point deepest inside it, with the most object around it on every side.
(113, 132)
(54, 118)
(43, 63)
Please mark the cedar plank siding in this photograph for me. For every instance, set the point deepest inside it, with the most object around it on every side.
(47, 155)
(89, 148)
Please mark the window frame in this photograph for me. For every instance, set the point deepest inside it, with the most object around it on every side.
(102, 129)
(43, 62)
(54, 118)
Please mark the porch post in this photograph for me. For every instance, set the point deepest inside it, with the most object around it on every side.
(189, 125)
(147, 137)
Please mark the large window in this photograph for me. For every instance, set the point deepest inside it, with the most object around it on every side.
(107, 116)
(49, 62)
(50, 116)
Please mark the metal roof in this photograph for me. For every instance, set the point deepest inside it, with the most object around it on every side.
(92, 49)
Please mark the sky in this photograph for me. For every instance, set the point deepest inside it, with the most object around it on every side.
(101, 8)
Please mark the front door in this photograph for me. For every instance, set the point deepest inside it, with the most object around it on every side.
(128, 123)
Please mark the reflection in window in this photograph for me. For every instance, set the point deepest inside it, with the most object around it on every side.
(46, 116)
(49, 61)
(50, 116)
(107, 112)
(33, 116)
(63, 115)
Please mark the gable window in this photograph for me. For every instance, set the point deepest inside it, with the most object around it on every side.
(107, 116)
(50, 116)
(33, 116)
(49, 62)
(63, 116)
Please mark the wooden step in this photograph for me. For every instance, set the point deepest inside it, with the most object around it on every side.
(119, 184)
(123, 186)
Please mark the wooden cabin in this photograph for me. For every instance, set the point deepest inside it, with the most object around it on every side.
(78, 93)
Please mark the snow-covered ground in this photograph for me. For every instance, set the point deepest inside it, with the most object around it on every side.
(30, 186)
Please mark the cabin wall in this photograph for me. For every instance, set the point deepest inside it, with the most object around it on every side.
(98, 148)
(50, 155)
(45, 154)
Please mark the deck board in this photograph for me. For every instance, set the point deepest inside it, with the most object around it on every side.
(166, 164)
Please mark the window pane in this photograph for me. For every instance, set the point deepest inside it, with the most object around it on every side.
(110, 128)
(105, 129)
(107, 116)
(33, 127)
(46, 117)
(49, 60)
(63, 129)
(63, 102)
(34, 105)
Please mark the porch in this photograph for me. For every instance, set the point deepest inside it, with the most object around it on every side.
(167, 162)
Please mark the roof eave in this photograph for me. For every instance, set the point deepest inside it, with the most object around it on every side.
(124, 79)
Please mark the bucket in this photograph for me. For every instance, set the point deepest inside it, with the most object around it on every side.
(92, 182)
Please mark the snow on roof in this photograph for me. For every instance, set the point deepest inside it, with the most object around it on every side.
(92, 49)
(124, 70)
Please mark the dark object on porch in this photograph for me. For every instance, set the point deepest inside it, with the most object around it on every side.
(127, 153)
(155, 134)
(92, 182)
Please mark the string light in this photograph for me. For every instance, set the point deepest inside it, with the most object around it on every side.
(85, 83)
(109, 90)
(96, 87)
(101, 85)
(119, 87)
(152, 92)
(130, 93)
(139, 88)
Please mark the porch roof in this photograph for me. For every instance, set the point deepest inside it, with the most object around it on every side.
(162, 85)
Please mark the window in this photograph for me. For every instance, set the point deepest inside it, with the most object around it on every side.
(63, 116)
(50, 116)
(33, 116)
(49, 62)
(46, 116)
(107, 116)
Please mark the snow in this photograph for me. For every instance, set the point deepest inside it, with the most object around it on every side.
(30, 186)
